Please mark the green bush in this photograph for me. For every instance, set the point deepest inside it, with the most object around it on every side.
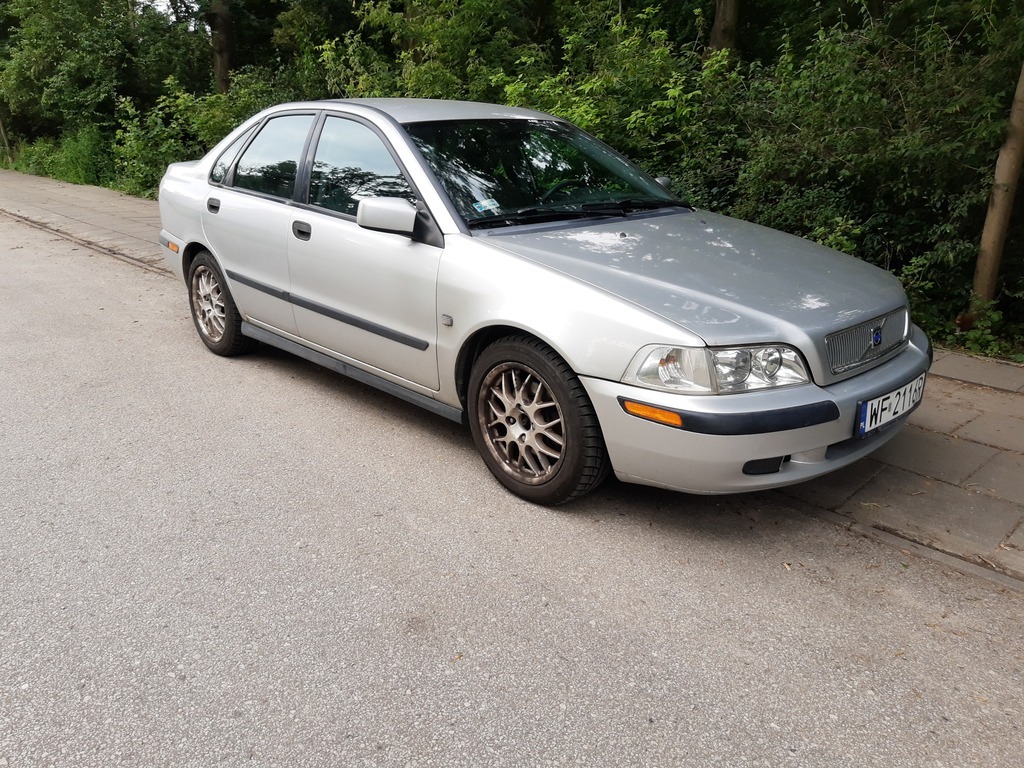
(145, 144)
(36, 157)
(80, 157)
(877, 139)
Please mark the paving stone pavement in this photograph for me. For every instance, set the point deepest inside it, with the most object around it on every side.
(120, 224)
(952, 479)
(950, 484)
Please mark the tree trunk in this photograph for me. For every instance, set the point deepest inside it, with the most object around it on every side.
(7, 147)
(724, 32)
(222, 41)
(1000, 202)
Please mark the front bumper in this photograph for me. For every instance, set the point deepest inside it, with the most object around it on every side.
(749, 442)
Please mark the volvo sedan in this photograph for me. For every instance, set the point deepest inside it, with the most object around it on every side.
(504, 269)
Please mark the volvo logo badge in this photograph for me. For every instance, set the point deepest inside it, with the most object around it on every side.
(876, 337)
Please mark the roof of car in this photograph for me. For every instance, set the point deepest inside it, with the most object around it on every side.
(427, 110)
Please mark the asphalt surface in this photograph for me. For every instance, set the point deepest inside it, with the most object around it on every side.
(253, 561)
(949, 487)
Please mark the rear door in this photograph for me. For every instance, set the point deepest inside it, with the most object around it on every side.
(248, 220)
(366, 296)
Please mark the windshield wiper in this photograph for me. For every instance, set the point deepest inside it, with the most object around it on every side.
(631, 204)
(539, 213)
(535, 214)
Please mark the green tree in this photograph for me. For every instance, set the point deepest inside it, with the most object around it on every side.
(68, 61)
(62, 66)
(433, 48)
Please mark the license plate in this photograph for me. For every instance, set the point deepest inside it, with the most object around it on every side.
(876, 413)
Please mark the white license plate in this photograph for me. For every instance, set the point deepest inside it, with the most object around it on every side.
(878, 412)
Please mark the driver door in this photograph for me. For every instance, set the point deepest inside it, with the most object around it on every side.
(369, 297)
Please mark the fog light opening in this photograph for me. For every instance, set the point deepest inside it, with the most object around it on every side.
(767, 466)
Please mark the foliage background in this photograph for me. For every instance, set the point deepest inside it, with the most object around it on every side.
(869, 125)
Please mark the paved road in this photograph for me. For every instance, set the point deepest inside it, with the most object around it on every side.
(950, 486)
(252, 561)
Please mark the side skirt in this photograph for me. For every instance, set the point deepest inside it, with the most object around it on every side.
(447, 411)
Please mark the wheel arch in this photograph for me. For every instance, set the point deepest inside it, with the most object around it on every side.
(477, 342)
(188, 255)
(538, 431)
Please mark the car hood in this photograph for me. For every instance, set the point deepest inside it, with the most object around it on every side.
(726, 280)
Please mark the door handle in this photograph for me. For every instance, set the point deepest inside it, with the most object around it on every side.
(213, 205)
(302, 230)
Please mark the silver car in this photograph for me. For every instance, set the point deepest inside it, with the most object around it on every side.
(504, 269)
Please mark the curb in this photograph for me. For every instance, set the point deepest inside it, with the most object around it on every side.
(908, 546)
(99, 248)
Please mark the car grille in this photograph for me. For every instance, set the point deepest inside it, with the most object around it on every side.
(861, 344)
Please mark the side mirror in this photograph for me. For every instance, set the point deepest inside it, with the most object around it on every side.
(387, 214)
(665, 181)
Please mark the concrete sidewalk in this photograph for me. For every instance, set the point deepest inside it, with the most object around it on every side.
(950, 485)
(125, 226)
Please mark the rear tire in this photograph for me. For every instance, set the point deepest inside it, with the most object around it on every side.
(533, 423)
(213, 310)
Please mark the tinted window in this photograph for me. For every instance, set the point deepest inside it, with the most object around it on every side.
(269, 164)
(220, 170)
(352, 163)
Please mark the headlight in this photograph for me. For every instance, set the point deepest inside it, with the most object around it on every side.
(722, 370)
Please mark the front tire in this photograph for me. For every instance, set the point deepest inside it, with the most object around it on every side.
(533, 423)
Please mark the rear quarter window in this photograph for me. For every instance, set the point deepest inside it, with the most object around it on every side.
(227, 157)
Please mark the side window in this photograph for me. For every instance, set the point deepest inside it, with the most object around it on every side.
(352, 163)
(270, 163)
(220, 169)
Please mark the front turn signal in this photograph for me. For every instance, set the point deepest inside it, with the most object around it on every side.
(653, 413)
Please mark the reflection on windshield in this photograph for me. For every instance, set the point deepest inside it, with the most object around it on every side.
(510, 171)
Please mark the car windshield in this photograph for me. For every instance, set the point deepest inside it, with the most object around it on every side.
(502, 172)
